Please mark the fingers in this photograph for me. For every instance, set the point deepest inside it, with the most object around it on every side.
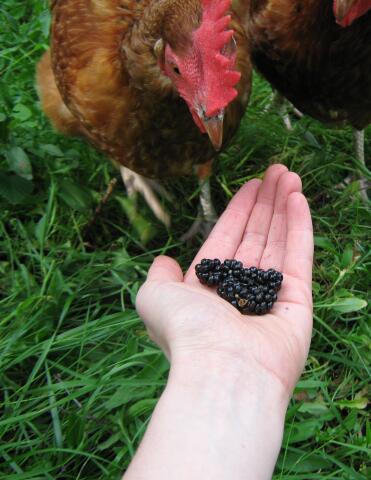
(165, 269)
(226, 236)
(251, 249)
(298, 261)
(275, 248)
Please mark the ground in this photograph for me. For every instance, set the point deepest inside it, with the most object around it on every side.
(79, 376)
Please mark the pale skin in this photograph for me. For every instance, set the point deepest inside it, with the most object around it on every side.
(222, 412)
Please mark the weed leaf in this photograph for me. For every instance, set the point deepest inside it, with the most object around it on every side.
(75, 196)
(19, 162)
(21, 112)
(14, 188)
(325, 243)
(301, 462)
(347, 305)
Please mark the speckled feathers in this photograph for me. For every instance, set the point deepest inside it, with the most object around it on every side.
(110, 80)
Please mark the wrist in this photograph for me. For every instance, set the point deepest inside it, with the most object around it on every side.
(215, 419)
(232, 382)
(233, 407)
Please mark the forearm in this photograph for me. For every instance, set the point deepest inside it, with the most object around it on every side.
(218, 423)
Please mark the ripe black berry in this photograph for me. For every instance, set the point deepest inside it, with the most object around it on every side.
(208, 271)
(250, 290)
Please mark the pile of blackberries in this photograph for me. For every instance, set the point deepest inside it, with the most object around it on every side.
(250, 290)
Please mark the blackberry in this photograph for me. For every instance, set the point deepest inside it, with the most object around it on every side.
(275, 286)
(208, 272)
(250, 290)
(235, 293)
(259, 297)
(231, 268)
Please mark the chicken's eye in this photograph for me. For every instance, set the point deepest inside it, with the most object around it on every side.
(176, 70)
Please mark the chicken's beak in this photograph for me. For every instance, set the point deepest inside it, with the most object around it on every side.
(214, 128)
(341, 8)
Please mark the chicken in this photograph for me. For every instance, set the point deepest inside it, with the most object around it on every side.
(147, 83)
(322, 68)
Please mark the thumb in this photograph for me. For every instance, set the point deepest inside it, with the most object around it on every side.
(150, 304)
(165, 269)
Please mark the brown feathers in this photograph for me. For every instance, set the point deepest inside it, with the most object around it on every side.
(51, 99)
(110, 87)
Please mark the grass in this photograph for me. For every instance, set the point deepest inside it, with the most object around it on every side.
(79, 376)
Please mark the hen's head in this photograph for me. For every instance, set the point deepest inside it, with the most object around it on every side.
(347, 11)
(200, 63)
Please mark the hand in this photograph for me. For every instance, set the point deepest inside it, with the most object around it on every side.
(223, 408)
(267, 224)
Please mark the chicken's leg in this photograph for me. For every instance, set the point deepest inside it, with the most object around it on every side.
(137, 183)
(359, 146)
(206, 217)
(280, 105)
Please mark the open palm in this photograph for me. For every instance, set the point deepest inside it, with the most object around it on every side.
(267, 224)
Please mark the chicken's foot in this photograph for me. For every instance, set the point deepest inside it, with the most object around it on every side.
(137, 183)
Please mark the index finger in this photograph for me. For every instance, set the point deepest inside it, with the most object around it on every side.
(226, 236)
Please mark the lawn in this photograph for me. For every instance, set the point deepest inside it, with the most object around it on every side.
(79, 377)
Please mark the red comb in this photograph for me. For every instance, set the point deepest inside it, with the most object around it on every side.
(210, 38)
